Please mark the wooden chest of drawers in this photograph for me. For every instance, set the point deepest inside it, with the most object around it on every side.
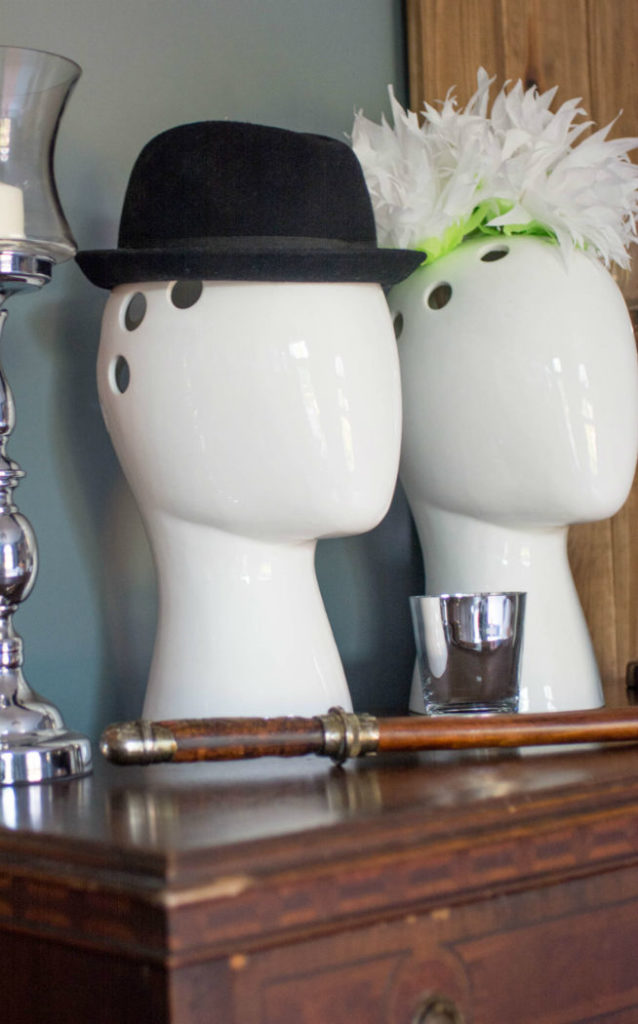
(268, 892)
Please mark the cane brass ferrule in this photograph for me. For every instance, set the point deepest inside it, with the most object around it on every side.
(348, 735)
(138, 742)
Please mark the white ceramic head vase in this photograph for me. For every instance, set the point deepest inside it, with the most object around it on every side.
(250, 385)
(518, 359)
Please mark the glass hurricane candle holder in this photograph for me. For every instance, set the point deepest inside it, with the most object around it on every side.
(34, 235)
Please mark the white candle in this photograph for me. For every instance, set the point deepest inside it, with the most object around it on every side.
(11, 211)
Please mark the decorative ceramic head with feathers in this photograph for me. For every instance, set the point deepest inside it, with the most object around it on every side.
(518, 359)
(514, 169)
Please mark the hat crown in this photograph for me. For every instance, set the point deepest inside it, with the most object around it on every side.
(224, 179)
(224, 200)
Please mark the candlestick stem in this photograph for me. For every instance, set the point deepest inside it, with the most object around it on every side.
(34, 743)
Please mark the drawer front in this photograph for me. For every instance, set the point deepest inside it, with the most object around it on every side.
(563, 954)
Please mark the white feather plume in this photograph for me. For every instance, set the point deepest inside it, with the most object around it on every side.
(514, 169)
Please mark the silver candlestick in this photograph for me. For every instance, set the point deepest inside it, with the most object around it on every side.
(34, 743)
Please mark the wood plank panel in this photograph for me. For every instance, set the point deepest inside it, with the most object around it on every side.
(591, 560)
(613, 59)
(447, 41)
(613, 56)
(624, 554)
(545, 43)
(541, 41)
(589, 48)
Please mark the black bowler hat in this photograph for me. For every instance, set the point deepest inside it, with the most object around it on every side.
(230, 201)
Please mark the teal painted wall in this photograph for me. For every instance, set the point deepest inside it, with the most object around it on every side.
(148, 65)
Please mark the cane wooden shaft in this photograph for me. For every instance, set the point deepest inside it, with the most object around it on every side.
(518, 730)
(232, 739)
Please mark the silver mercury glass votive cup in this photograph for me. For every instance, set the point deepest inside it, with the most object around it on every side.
(34, 86)
(469, 651)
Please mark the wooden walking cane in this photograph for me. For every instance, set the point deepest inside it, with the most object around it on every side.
(341, 735)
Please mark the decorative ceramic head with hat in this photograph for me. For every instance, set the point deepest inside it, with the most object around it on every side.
(249, 380)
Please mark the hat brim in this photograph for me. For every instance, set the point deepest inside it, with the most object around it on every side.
(108, 268)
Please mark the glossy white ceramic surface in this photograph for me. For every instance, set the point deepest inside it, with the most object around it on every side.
(520, 396)
(249, 424)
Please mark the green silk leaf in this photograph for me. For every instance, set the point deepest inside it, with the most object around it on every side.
(478, 223)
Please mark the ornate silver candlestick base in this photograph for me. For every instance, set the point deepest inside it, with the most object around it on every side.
(35, 746)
